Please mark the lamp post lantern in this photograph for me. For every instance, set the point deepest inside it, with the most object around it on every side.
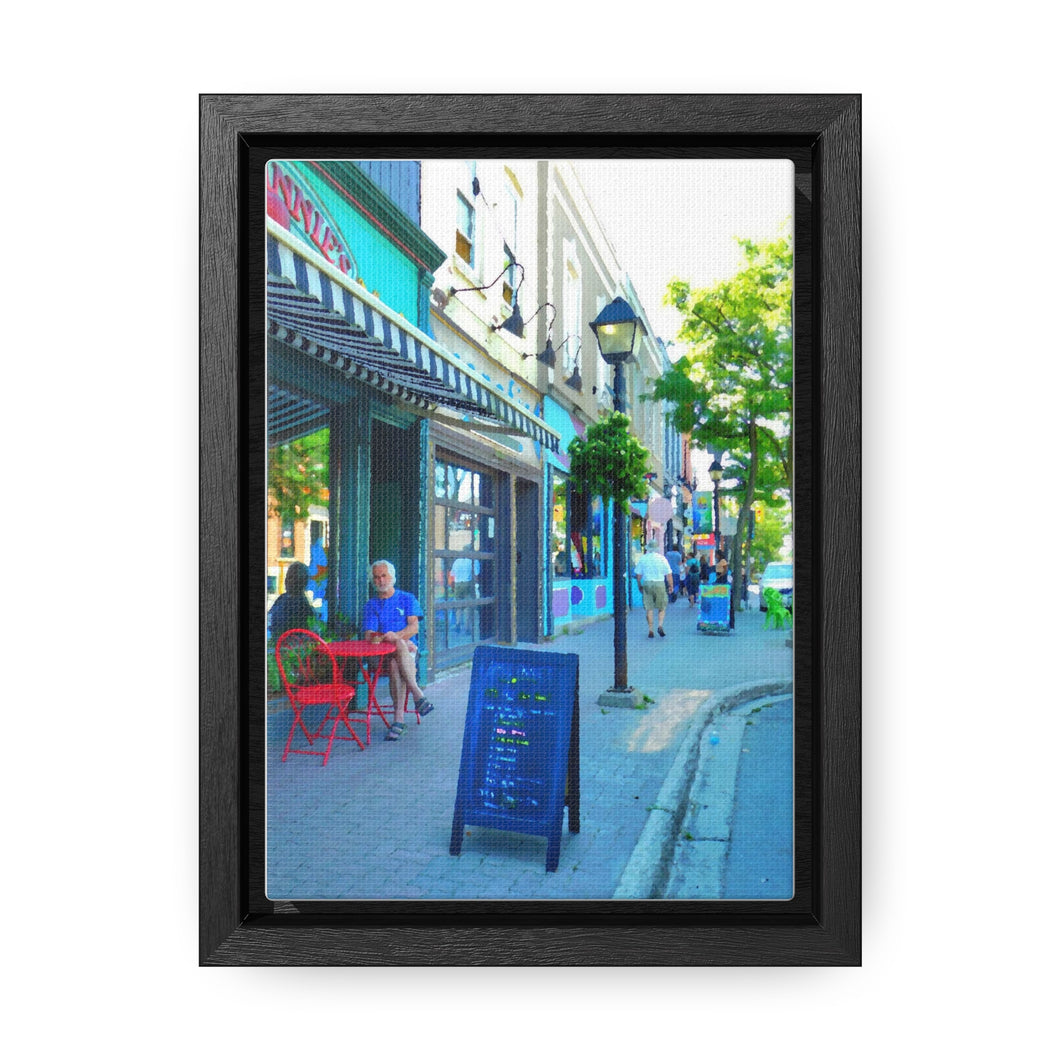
(616, 334)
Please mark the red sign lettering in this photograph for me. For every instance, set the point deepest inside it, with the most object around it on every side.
(287, 201)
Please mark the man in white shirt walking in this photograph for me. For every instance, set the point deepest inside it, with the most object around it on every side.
(655, 580)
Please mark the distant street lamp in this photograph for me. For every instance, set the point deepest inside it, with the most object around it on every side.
(716, 471)
(616, 334)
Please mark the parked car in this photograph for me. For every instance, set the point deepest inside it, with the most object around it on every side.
(779, 576)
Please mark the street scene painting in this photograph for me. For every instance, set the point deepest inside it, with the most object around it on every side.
(529, 582)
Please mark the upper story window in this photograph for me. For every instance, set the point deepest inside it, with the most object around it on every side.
(465, 229)
(603, 370)
(510, 234)
(511, 276)
(572, 308)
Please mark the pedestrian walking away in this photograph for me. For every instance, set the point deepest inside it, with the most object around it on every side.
(692, 580)
(704, 570)
(655, 580)
(393, 616)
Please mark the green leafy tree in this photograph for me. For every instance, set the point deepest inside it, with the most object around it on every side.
(298, 476)
(610, 461)
(770, 529)
(732, 393)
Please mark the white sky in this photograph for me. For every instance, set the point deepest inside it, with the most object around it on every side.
(681, 219)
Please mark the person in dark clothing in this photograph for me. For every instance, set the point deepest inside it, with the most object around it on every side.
(692, 580)
(292, 610)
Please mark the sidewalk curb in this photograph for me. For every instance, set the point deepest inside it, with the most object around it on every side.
(645, 874)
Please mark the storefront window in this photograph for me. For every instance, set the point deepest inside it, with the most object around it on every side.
(586, 539)
(298, 515)
(637, 531)
(559, 551)
(597, 538)
(578, 540)
(287, 540)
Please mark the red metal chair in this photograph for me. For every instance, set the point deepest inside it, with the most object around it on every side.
(311, 677)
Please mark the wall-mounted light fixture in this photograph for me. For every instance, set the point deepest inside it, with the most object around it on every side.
(515, 323)
(575, 381)
(486, 286)
(548, 355)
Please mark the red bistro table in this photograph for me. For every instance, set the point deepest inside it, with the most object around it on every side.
(362, 651)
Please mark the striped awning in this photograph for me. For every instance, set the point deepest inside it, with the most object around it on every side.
(309, 309)
(293, 415)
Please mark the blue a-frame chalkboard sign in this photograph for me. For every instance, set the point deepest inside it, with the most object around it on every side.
(520, 759)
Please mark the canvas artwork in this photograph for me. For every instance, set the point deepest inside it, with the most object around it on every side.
(529, 574)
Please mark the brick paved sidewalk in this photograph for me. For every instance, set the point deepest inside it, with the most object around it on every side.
(376, 824)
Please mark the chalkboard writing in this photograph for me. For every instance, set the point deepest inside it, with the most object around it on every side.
(520, 749)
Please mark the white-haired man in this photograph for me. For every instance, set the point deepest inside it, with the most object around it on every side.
(393, 615)
(656, 581)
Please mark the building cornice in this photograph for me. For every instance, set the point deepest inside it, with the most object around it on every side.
(380, 210)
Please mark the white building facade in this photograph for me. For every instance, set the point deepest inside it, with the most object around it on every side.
(517, 551)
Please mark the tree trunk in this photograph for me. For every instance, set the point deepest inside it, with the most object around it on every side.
(736, 563)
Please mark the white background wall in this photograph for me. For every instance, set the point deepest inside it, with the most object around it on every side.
(960, 349)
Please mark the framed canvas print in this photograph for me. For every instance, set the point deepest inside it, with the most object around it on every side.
(548, 445)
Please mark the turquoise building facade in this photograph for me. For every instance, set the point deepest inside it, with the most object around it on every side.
(350, 351)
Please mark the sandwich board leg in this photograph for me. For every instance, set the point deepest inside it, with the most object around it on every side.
(456, 840)
(574, 770)
(552, 853)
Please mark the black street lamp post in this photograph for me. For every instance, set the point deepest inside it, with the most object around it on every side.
(716, 472)
(616, 334)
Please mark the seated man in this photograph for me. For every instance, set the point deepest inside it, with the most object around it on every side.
(393, 615)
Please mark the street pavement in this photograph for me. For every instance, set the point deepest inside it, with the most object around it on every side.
(376, 824)
(734, 840)
(760, 848)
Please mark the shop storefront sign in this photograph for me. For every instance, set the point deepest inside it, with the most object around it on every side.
(291, 205)
(702, 512)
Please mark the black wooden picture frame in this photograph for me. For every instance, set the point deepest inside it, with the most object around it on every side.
(822, 925)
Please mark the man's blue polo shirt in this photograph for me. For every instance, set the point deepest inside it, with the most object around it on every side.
(392, 614)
